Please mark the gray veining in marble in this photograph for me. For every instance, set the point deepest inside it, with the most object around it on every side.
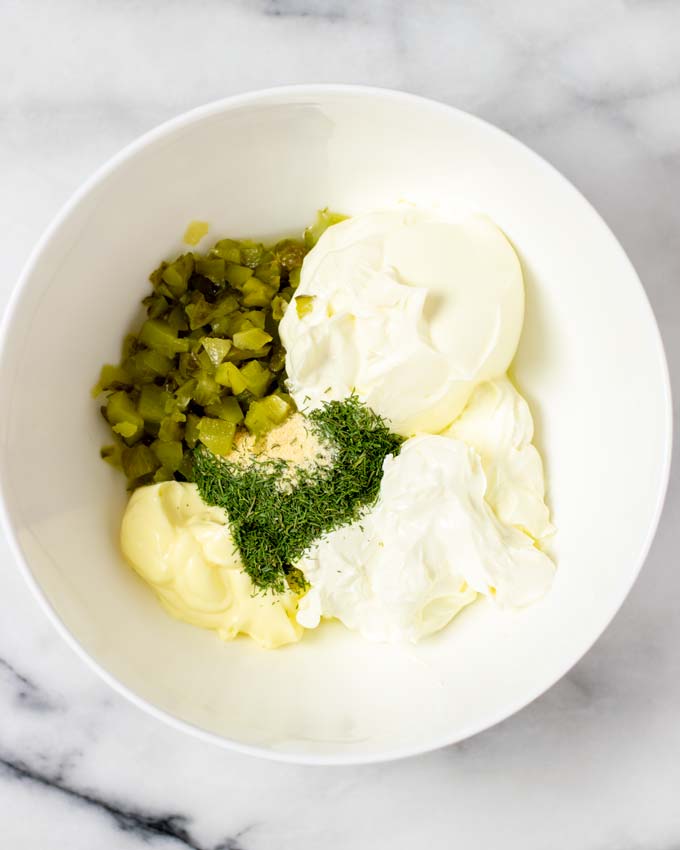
(594, 87)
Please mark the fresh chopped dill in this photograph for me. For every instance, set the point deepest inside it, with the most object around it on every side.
(273, 525)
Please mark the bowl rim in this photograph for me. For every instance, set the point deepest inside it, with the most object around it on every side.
(283, 93)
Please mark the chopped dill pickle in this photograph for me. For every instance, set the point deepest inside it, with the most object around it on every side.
(251, 339)
(255, 319)
(216, 435)
(279, 306)
(216, 349)
(294, 278)
(229, 375)
(211, 267)
(304, 305)
(236, 355)
(121, 409)
(110, 378)
(160, 336)
(256, 293)
(207, 389)
(195, 231)
(147, 365)
(290, 253)
(236, 275)
(176, 274)
(251, 253)
(278, 358)
(126, 429)
(153, 403)
(203, 361)
(138, 463)
(227, 408)
(267, 413)
(156, 305)
(257, 377)
(269, 273)
(112, 454)
(170, 430)
(191, 430)
(168, 453)
(185, 392)
(324, 220)
(228, 249)
(177, 319)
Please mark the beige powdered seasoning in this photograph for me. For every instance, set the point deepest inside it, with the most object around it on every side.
(293, 441)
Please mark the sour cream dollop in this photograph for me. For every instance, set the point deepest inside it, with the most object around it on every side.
(408, 311)
(430, 545)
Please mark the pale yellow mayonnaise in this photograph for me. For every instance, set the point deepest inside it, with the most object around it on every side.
(184, 550)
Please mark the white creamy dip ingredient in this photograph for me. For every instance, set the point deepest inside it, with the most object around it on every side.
(408, 311)
(430, 545)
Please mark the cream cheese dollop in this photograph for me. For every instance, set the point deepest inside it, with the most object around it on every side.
(183, 548)
(428, 547)
(408, 311)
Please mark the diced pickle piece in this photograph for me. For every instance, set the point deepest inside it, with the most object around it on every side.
(290, 253)
(256, 293)
(211, 267)
(138, 462)
(147, 365)
(185, 392)
(267, 413)
(324, 220)
(191, 430)
(158, 335)
(195, 231)
(229, 375)
(278, 359)
(177, 318)
(304, 305)
(227, 408)
(207, 389)
(216, 435)
(279, 306)
(294, 278)
(236, 275)
(162, 474)
(257, 378)
(176, 274)
(255, 319)
(237, 354)
(112, 454)
(126, 429)
(251, 253)
(216, 349)
(269, 273)
(153, 403)
(228, 249)
(251, 339)
(110, 378)
(168, 453)
(202, 312)
(156, 305)
(170, 430)
(121, 409)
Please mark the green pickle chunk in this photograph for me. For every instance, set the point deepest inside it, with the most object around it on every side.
(207, 361)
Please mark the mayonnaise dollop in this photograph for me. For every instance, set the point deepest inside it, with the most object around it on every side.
(184, 550)
(408, 311)
(430, 545)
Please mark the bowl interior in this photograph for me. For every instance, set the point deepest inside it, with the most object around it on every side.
(590, 363)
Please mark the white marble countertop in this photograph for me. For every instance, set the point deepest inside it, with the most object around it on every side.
(592, 86)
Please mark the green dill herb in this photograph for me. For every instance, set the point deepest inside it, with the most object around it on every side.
(277, 511)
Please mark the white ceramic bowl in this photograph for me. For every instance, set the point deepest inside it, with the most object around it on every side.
(590, 362)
